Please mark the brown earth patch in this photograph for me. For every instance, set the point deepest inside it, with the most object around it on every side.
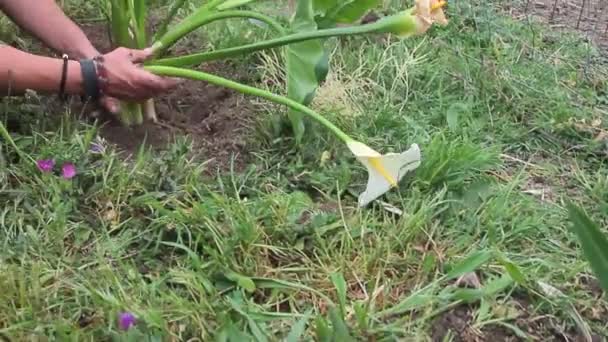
(459, 324)
(589, 17)
(215, 119)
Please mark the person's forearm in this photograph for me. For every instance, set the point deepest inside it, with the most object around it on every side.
(45, 20)
(20, 71)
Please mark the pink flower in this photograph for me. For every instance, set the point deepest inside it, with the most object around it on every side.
(68, 171)
(45, 165)
(126, 320)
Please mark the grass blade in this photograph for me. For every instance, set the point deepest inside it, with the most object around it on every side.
(338, 280)
(175, 7)
(470, 264)
(298, 329)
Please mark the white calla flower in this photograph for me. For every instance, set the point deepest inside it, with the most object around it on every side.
(385, 171)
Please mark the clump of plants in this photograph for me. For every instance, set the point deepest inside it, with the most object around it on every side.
(306, 60)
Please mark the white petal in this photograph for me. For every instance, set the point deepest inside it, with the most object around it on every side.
(396, 166)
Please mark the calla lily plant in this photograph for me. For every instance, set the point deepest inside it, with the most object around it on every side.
(385, 171)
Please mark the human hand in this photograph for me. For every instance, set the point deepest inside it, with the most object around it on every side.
(125, 79)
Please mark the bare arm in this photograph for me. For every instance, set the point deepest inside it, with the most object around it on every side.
(45, 20)
(20, 71)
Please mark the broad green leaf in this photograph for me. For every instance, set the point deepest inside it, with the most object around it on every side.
(298, 329)
(307, 65)
(470, 264)
(331, 12)
(593, 242)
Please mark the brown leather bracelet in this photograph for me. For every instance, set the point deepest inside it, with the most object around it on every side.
(64, 76)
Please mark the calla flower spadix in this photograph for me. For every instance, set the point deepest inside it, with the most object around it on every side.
(384, 171)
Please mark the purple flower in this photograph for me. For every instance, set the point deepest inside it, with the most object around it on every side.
(98, 146)
(126, 320)
(45, 165)
(68, 171)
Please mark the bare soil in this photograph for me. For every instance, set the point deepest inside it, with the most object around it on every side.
(215, 119)
(589, 17)
(459, 324)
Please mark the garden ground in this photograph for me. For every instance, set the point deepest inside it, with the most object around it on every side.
(233, 232)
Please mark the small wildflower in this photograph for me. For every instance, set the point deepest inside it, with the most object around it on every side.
(68, 171)
(45, 165)
(126, 320)
(98, 146)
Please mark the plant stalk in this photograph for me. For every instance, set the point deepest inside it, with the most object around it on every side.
(189, 25)
(248, 90)
(198, 58)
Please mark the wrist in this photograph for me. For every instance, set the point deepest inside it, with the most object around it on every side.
(86, 51)
(74, 84)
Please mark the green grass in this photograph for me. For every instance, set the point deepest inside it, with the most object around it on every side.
(504, 113)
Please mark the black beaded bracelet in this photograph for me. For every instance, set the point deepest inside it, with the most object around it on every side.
(64, 77)
(90, 79)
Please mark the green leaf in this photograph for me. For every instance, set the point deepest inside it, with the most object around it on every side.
(323, 332)
(497, 285)
(307, 65)
(361, 314)
(331, 12)
(245, 282)
(338, 280)
(340, 328)
(298, 329)
(593, 242)
(513, 270)
(470, 264)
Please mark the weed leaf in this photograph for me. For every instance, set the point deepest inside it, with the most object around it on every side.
(470, 264)
(593, 242)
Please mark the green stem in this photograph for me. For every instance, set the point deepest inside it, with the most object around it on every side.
(189, 25)
(248, 90)
(198, 58)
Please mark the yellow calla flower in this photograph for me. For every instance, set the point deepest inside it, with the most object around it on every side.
(429, 12)
(415, 21)
(385, 171)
